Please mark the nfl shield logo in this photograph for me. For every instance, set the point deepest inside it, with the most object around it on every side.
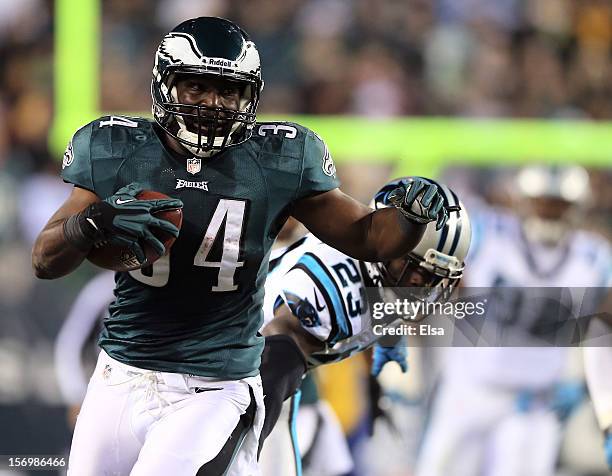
(194, 165)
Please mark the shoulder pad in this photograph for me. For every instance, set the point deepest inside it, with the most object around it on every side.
(282, 138)
(76, 164)
(284, 129)
(98, 149)
(312, 164)
(506, 223)
(117, 136)
(592, 247)
(490, 225)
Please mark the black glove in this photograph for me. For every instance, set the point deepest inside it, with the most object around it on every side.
(123, 220)
(420, 202)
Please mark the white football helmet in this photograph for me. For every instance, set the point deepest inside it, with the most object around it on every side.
(550, 199)
(439, 255)
(438, 259)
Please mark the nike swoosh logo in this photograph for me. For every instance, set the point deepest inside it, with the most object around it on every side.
(317, 305)
(206, 389)
(121, 202)
(92, 223)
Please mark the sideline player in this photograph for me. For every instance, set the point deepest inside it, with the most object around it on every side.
(500, 410)
(181, 345)
(598, 368)
(318, 296)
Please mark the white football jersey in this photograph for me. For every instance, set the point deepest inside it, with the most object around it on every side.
(501, 256)
(324, 288)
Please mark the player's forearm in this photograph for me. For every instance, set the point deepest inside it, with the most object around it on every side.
(290, 327)
(53, 256)
(392, 235)
(356, 230)
(382, 235)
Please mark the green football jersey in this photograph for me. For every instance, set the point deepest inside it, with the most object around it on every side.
(197, 310)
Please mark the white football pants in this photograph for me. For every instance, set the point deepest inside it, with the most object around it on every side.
(145, 423)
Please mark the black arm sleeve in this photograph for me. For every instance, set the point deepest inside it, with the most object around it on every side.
(282, 369)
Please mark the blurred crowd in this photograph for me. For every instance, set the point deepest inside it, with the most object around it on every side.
(506, 58)
(383, 58)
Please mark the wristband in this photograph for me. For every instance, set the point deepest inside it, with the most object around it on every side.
(81, 232)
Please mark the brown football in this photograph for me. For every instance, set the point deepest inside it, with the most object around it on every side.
(120, 258)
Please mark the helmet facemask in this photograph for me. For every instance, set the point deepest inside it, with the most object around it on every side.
(204, 130)
(548, 221)
(430, 279)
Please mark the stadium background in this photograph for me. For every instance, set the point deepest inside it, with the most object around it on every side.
(453, 88)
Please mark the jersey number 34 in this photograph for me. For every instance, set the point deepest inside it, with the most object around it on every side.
(228, 210)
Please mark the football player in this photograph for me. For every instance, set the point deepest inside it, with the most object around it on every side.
(598, 368)
(180, 346)
(316, 306)
(283, 361)
(500, 410)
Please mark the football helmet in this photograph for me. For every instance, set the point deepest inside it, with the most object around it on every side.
(215, 47)
(550, 199)
(438, 258)
(437, 261)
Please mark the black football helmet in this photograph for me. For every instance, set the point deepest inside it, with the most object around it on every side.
(208, 46)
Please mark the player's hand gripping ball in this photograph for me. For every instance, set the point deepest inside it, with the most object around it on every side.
(126, 251)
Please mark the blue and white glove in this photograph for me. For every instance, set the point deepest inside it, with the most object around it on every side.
(381, 355)
(567, 396)
(608, 448)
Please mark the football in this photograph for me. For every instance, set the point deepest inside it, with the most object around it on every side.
(120, 258)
